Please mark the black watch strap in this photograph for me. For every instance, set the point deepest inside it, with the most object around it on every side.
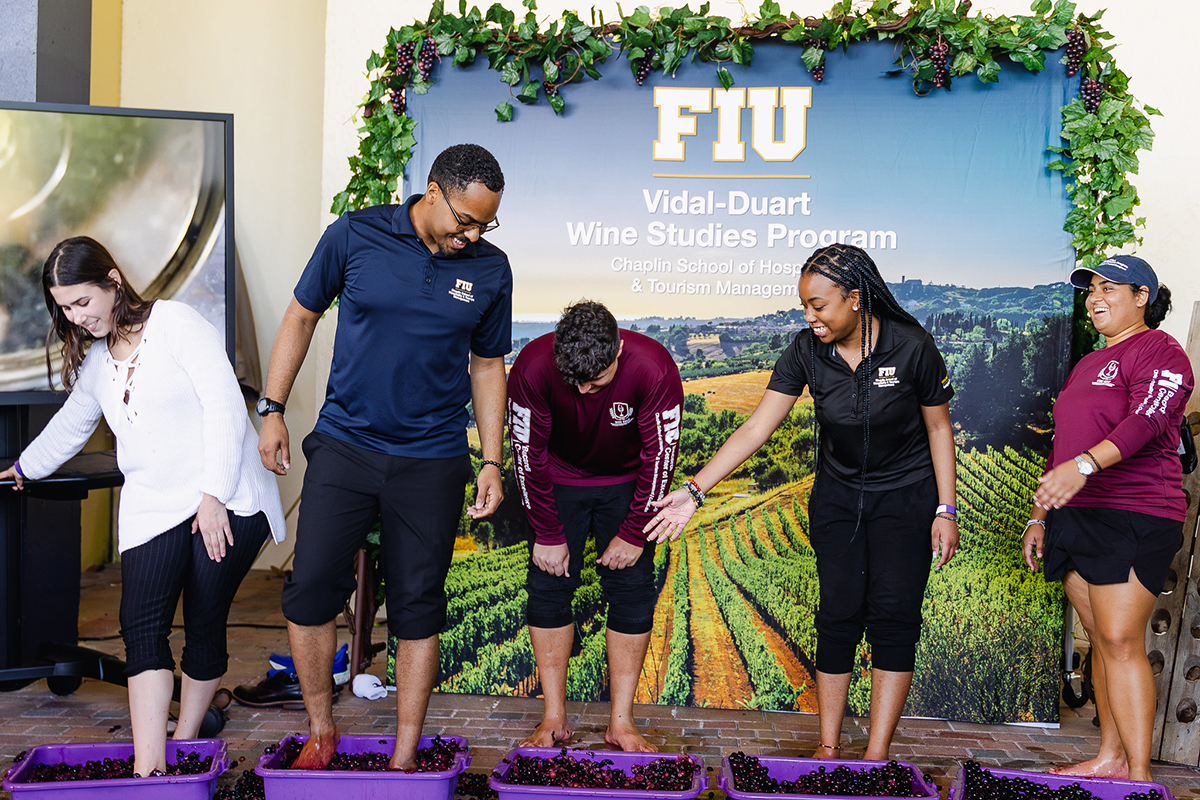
(266, 405)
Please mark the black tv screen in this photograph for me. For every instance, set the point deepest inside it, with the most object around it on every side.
(154, 187)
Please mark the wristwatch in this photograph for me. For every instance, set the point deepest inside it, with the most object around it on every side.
(1085, 466)
(266, 405)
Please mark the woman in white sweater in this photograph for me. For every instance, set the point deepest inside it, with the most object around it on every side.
(197, 503)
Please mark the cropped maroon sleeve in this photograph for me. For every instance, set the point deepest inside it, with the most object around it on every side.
(658, 423)
(529, 435)
(1158, 390)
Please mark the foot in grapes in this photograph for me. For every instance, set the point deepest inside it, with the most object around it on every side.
(628, 738)
(550, 732)
(318, 751)
(1096, 768)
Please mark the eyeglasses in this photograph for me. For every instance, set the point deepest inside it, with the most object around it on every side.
(463, 227)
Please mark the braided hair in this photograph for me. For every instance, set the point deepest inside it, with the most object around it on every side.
(851, 268)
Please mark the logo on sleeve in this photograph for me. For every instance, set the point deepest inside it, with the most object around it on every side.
(887, 377)
(519, 419)
(621, 413)
(1108, 374)
(946, 382)
(462, 291)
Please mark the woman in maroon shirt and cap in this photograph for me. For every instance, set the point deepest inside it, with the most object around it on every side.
(1108, 517)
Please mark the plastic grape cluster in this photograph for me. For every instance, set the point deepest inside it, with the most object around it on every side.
(113, 769)
(437, 757)
(643, 67)
(890, 780)
(1090, 91)
(1076, 46)
(939, 52)
(662, 774)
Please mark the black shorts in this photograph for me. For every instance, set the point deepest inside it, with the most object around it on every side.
(630, 592)
(1102, 544)
(418, 502)
(872, 570)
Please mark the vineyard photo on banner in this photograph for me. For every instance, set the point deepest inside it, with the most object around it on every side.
(688, 210)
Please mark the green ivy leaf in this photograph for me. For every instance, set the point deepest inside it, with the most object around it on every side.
(963, 63)
(528, 93)
(510, 73)
(1152, 111)
(550, 70)
(504, 112)
(374, 62)
(989, 71)
(640, 17)
(557, 103)
(812, 57)
(725, 78)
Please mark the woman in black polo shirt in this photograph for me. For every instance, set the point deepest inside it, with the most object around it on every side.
(885, 478)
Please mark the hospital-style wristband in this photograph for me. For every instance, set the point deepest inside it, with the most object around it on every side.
(694, 490)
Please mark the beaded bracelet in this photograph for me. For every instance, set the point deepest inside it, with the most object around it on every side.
(695, 491)
(495, 464)
(1036, 522)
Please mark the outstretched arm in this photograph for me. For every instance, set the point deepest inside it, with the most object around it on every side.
(677, 508)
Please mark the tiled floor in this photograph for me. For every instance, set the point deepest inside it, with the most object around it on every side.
(97, 712)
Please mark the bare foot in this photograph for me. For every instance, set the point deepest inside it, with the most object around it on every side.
(318, 751)
(825, 751)
(550, 732)
(1096, 768)
(628, 738)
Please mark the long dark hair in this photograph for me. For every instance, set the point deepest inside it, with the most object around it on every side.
(81, 259)
(851, 268)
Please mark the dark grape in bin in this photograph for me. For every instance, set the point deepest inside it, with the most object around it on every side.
(783, 768)
(162, 787)
(320, 784)
(621, 760)
(1102, 788)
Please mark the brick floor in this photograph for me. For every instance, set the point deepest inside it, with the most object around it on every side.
(97, 712)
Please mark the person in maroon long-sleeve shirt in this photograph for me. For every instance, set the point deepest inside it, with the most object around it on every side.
(1109, 514)
(594, 416)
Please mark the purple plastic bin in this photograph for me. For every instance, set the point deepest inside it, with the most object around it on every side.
(166, 787)
(320, 784)
(788, 769)
(620, 759)
(1101, 787)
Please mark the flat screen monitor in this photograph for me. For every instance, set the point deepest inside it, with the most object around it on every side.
(154, 187)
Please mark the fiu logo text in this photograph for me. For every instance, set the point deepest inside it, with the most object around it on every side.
(462, 291)
(887, 377)
(764, 103)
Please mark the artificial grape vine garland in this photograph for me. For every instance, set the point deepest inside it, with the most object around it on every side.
(938, 41)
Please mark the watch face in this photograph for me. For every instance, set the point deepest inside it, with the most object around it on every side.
(1085, 466)
(261, 406)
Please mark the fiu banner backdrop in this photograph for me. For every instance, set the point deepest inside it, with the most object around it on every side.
(689, 210)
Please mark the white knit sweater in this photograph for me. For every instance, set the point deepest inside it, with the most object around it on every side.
(183, 432)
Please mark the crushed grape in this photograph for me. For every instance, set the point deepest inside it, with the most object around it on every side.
(981, 784)
(437, 757)
(248, 786)
(114, 769)
(662, 774)
(475, 785)
(891, 780)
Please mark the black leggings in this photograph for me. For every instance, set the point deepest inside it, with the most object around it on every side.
(154, 574)
(873, 578)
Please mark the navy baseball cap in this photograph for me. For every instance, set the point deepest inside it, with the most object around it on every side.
(1119, 269)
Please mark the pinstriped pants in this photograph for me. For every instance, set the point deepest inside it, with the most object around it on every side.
(155, 574)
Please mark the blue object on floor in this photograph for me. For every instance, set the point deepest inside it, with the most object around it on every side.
(341, 665)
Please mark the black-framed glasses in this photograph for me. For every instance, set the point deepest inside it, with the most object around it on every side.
(463, 227)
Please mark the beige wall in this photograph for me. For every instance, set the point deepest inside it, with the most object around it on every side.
(264, 62)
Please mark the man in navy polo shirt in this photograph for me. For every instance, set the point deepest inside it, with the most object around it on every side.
(424, 323)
